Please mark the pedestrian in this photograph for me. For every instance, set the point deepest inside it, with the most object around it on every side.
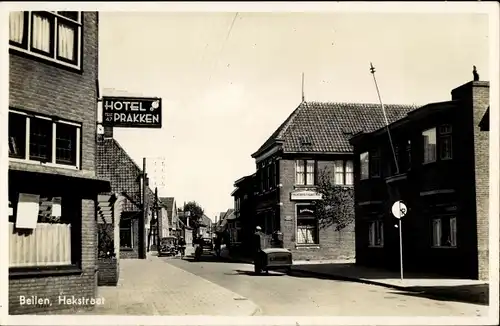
(182, 246)
(257, 247)
(218, 241)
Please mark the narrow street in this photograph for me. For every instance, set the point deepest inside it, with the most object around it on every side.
(298, 294)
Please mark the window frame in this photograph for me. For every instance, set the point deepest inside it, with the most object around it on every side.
(378, 225)
(304, 162)
(364, 163)
(344, 172)
(131, 230)
(316, 222)
(441, 137)
(451, 219)
(375, 158)
(426, 160)
(53, 157)
(57, 19)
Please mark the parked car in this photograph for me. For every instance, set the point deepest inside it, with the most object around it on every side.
(168, 247)
(273, 259)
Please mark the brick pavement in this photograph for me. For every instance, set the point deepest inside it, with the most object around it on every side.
(154, 287)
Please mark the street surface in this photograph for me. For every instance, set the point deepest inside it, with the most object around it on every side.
(302, 295)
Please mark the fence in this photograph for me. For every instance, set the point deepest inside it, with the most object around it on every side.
(48, 244)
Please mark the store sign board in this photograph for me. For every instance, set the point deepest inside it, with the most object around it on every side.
(305, 195)
(131, 112)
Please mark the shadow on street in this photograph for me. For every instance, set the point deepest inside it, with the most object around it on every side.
(475, 294)
(207, 259)
(252, 273)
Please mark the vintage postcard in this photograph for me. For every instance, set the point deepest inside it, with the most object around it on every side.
(250, 163)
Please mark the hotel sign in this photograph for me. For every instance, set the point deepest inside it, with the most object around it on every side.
(131, 112)
(305, 195)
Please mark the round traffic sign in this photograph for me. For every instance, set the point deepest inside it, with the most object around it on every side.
(399, 209)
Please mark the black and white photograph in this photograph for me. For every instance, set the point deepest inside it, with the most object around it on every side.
(250, 160)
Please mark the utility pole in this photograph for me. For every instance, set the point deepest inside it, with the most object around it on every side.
(157, 209)
(401, 211)
(142, 221)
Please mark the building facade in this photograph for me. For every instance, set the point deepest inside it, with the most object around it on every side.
(116, 165)
(170, 206)
(312, 145)
(244, 211)
(442, 176)
(53, 185)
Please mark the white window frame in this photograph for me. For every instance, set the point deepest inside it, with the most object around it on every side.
(303, 163)
(373, 226)
(52, 163)
(437, 232)
(27, 46)
(364, 165)
(338, 172)
(426, 150)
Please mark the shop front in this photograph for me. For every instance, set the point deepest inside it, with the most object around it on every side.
(52, 236)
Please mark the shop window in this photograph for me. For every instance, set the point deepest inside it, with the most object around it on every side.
(376, 234)
(444, 231)
(39, 139)
(307, 225)
(52, 35)
(126, 232)
(43, 231)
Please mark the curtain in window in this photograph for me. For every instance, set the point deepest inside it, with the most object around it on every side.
(436, 233)
(41, 33)
(305, 234)
(365, 168)
(299, 172)
(66, 44)
(453, 231)
(349, 173)
(339, 172)
(429, 145)
(310, 172)
(16, 26)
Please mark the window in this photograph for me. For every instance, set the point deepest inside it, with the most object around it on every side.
(276, 173)
(343, 172)
(376, 234)
(429, 138)
(408, 155)
(305, 172)
(375, 163)
(272, 179)
(445, 143)
(364, 161)
(53, 238)
(126, 234)
(52, 35)
(338, 172)
(307, 225)
(39, 139)
(444, 232)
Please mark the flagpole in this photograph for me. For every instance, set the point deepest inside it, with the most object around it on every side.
(400, 224)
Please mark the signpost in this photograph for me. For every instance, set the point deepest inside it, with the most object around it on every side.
(399, 210)
(131, 112)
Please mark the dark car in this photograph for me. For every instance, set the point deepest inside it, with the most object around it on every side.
(274, 259)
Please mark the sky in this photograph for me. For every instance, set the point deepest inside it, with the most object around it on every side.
(225, 93)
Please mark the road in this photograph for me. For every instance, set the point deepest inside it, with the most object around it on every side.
(302, 295)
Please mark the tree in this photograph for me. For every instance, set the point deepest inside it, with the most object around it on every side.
(337, 206)
(195, 214)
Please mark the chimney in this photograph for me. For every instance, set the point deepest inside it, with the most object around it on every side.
(474, 100)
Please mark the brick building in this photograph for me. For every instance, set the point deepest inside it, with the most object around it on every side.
(52, 175)
(170, 206)
(442, 150)
(114, 164)
(313, 140)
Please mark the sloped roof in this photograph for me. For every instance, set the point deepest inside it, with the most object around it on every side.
(221, 216)
(168, 203)
(327, 126)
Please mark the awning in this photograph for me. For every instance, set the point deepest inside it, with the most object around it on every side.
(38, 178)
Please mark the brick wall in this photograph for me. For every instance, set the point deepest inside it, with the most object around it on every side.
(332, 244)
(50, 90)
